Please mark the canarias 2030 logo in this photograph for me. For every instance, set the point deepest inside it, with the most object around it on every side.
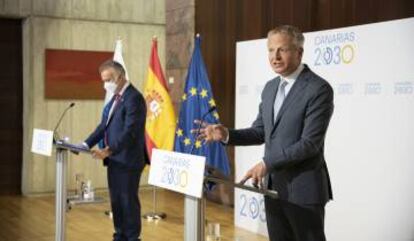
(334, 48)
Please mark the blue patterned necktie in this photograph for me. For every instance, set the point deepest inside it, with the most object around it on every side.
(280, 97)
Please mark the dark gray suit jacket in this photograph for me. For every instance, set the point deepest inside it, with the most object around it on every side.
(294, 144)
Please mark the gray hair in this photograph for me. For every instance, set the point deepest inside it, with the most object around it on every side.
(114, 65)
(291, 31)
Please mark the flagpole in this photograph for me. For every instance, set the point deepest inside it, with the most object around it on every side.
(154, 214)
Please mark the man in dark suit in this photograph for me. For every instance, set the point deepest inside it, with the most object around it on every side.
(124, 152)
(293, 118)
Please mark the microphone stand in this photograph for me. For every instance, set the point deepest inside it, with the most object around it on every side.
(55, 134)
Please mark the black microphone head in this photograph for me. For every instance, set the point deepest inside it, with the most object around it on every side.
(213, 108)
(72, 104)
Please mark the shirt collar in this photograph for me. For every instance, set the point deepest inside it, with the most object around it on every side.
(124, 88)
(294, 75)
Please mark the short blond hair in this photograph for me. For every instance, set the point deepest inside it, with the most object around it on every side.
(291, 31)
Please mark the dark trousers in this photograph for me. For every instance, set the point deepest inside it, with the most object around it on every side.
(292, 222)
(123, 188)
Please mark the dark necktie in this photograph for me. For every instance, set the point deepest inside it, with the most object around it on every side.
(115, 103)
(105, 115)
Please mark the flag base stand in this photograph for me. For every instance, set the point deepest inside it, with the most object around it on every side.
(151, 216)
(109, 214)
(154, 215)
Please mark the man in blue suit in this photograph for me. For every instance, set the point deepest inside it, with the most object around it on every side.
(124, 154)
(292, 121)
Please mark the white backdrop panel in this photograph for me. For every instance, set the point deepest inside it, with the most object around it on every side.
(370, 138)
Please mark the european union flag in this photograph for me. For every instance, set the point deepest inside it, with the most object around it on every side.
(197, 101)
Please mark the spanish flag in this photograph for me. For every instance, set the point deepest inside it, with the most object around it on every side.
(161, 121)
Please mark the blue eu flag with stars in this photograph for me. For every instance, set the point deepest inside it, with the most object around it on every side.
(198, 102)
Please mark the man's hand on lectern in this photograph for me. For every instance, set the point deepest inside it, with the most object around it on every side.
(101, 153)
(257, 174)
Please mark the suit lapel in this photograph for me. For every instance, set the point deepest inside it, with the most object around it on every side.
(118, 106)
(294, 93)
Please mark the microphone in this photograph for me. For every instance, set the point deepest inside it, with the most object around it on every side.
(208, 112)
(55, 135)
(201, 123)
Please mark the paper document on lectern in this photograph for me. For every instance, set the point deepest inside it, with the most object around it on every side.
(42, 142)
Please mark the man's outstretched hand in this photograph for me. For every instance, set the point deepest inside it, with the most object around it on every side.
(211, 132)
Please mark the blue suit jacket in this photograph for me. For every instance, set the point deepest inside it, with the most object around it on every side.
(294, 143)
(125, 132)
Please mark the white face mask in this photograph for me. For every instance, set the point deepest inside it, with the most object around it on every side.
(110, 86)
